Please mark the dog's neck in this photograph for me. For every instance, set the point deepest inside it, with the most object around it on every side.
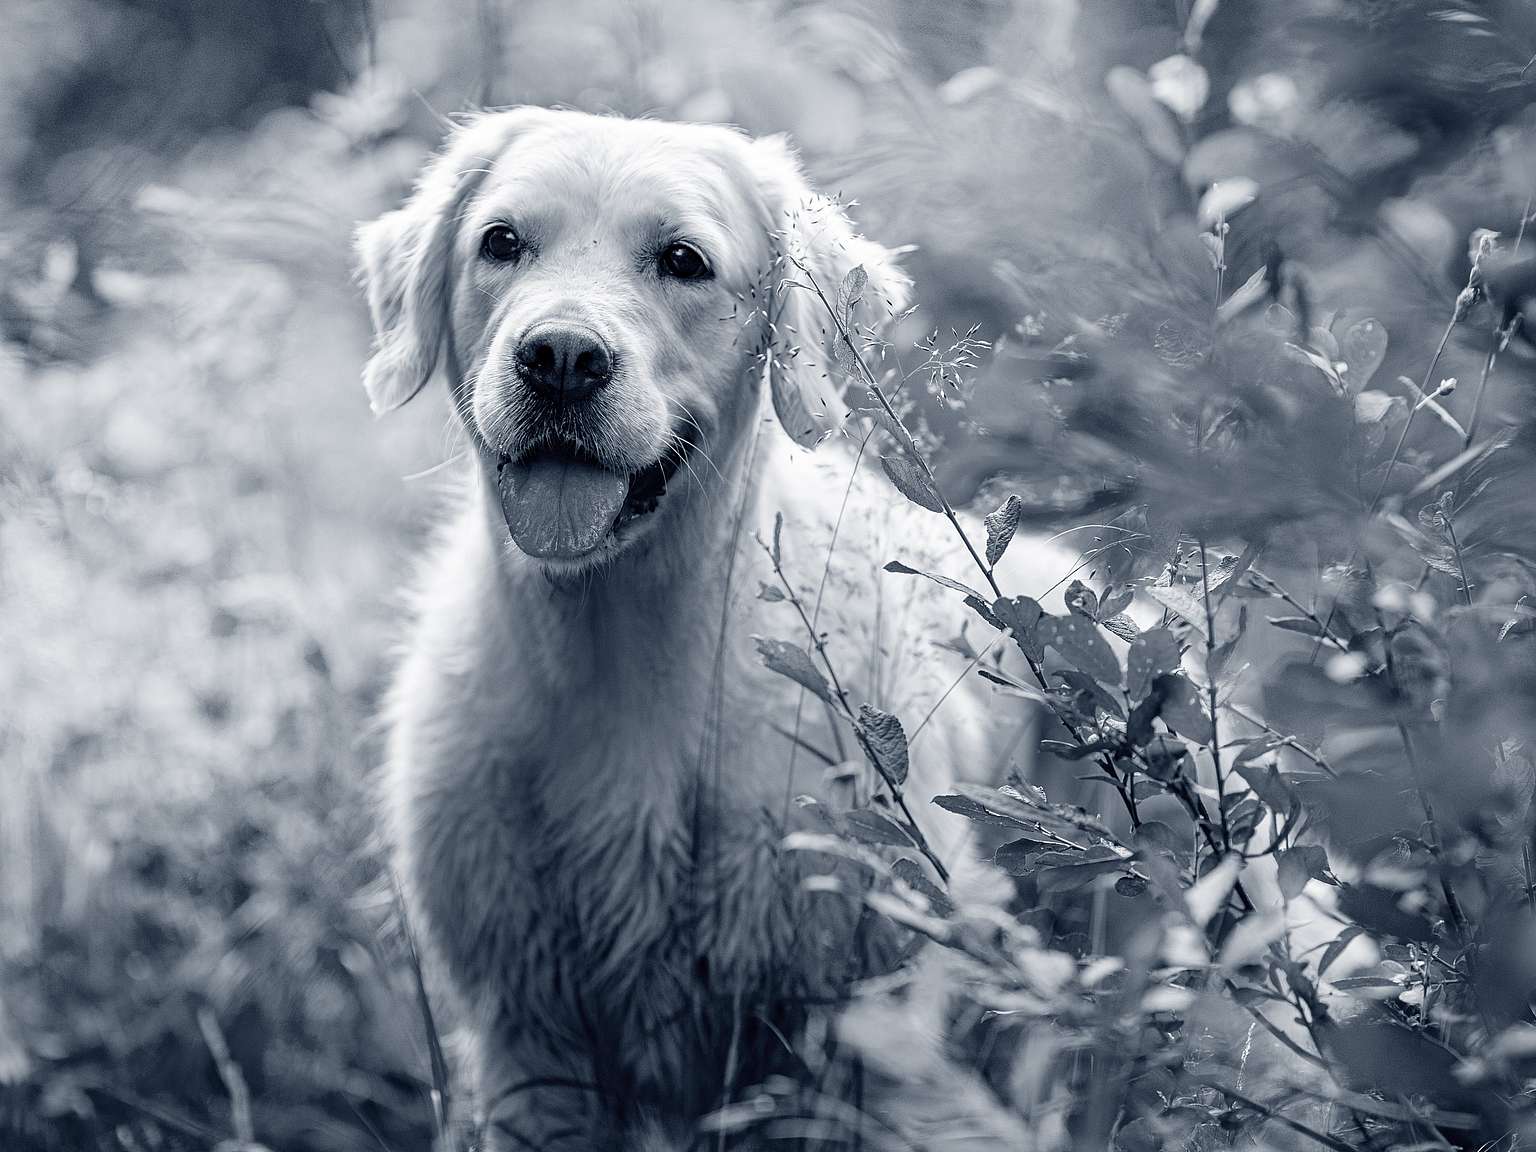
(643, 618)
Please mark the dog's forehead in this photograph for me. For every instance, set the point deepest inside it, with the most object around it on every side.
(576, 162)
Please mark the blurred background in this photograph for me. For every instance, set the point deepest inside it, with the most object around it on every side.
(203, 533)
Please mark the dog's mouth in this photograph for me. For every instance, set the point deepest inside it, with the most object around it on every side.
(562, 503)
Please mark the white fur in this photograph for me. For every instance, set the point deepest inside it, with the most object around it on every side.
(590, 773)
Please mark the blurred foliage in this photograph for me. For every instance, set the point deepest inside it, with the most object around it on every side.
(1239, 293)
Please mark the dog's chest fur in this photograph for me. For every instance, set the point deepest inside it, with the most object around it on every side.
(589, 793)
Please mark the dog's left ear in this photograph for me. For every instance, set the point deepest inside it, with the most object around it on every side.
(816, 249)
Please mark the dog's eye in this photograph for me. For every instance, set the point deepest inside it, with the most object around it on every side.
(500, 243)
(685, 262)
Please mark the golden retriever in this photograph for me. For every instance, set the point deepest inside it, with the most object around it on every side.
(590, 771)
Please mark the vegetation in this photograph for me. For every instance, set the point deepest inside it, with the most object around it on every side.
(1238, 295)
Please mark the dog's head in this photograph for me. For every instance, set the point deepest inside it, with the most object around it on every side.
(605, 291)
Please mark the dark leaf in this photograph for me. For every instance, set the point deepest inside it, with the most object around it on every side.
(1080, 600)
(886, 739)
(1015, 857)
(901, 569)
(794, 662)
(979, 606)
(1303, 624)
(1152, 653)
(1266, 783)
(911, 873)
(1336, 948)
(1001, 526)
(1115, 600)
(873, 828)
(912, 482)
(1130, 886)
(1022, 616)
(1182, 709)
(1294, 873)
(1082, 682)
(974, 810)
(1080, 644)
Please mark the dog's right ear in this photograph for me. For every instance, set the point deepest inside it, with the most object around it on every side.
(404, 257)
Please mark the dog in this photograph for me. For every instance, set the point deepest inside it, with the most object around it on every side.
(591, 772)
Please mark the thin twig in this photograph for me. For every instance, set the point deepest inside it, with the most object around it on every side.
(230, 1074)
(1125, 787)
(1269, 1113)
(893, 786)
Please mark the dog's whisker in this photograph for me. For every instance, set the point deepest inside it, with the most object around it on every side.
(435, 468)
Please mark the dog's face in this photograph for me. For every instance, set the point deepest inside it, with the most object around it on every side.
(608, 289)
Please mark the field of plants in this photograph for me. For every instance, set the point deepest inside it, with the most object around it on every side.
(1237, 296)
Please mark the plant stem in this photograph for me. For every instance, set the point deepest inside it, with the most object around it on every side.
(1210, 685)
(1126, 787)
(892, 785)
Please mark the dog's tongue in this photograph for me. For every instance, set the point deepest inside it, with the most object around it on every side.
(560, 508)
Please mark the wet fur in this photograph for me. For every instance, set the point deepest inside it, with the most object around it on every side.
(589, 772)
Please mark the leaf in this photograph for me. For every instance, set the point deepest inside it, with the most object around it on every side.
(1070, 877)
(1081, 601)
(886, 738)
(1082, 682)
(1130, 886)
(1182, 708)
(1300, 864)
(1016, 857)
(1440, 475)
(1079, 643)
(1362, 349)
(769, 592)
(881, 414)
(1303, 624)
(1066, 871)
(1293, 874)
(911, 873)
(1267, 784)
(1122, 626)
(849, 293)
(1116, 600)
(1152, 653)
(872, 828)
(901, 569)
(794, 662)
(1336, 948)
(912, 482)
(1373, 406)
(1001, 525)
(1183, 603)
(778, 528)
(1022, 616)
(847, 355)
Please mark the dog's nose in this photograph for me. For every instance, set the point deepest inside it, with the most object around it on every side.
(563, 361)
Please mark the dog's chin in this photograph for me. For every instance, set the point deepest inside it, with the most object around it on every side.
(571, 512)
